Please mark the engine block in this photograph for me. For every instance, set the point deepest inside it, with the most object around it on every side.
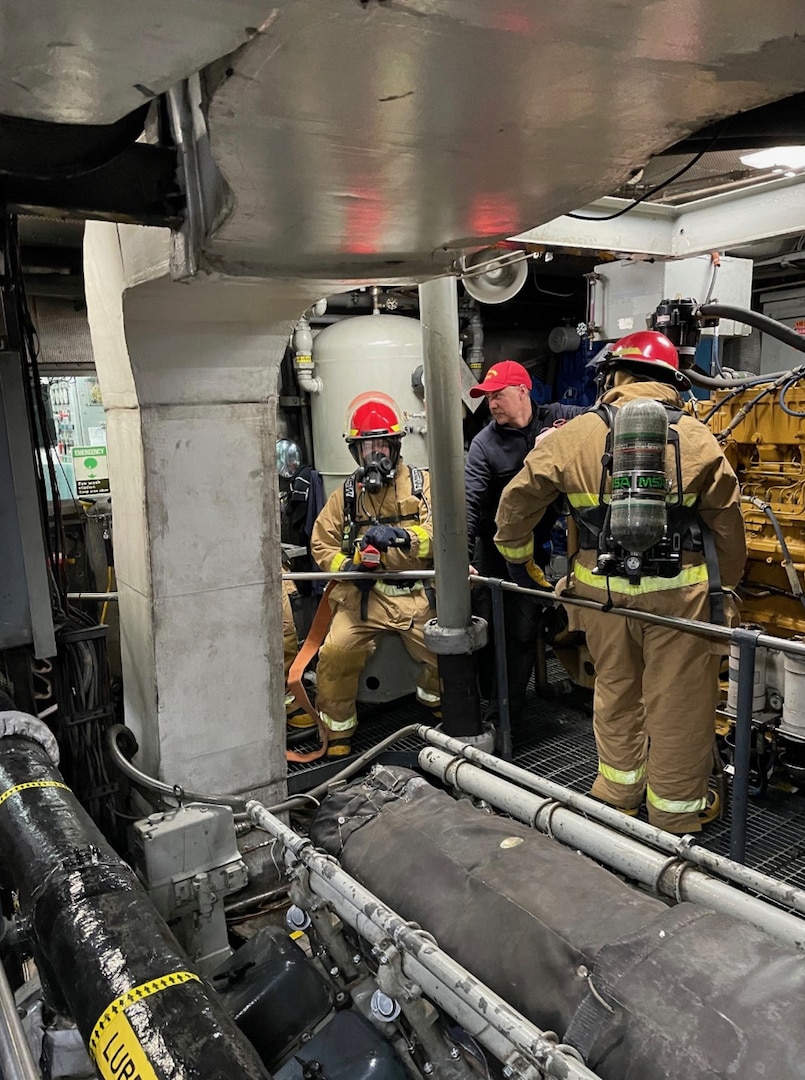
(766, 446)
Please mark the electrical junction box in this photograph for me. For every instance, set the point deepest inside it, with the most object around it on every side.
(625, 293)
(188, 860)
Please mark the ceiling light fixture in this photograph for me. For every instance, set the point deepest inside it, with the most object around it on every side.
(783, 157)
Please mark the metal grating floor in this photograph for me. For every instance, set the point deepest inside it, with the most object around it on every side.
(555, 739)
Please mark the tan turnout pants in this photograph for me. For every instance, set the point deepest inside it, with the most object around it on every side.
(351, 640)
(290, 643)
(656, 690)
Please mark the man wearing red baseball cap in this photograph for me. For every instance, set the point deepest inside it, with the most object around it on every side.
(495, 456)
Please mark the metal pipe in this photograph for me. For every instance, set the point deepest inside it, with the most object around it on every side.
(673, 622)
(747, 649)
(490, 1019)
(16, 1060)
(714, 189)
(504, 738)
(356, 575)
(678, 846)
(92, 596)
(674, 878)
(453, 634)
(98, 941)
(438, 300)
(150, 783)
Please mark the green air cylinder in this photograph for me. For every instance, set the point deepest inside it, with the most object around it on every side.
(639, 437)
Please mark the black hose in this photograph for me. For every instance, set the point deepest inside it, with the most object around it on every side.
(799, 415)
(760, 322)
(742, 413)
(99, 943)
(775, 379)
(297, 802)
(788, 562)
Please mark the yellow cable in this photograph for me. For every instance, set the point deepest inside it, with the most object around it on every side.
(105, 607)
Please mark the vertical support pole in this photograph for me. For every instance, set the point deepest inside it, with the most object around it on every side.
(501, 674)
(747, 649)
(541, 665)
(16, 1062)
(454, 634)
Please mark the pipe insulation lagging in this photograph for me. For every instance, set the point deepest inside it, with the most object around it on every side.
(105, 955)
(676, 878)
(639, 989)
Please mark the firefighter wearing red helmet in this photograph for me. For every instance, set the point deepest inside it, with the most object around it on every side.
(379, 520)
(656, 688)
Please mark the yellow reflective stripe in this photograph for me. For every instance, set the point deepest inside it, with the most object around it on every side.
(388, 589)
(621, 776)
(675, 806)
(424, 540)
(339, 725)
(517, 554)
(584, 498)
(114, 1045)
(338, 561)
(28, 785)
(426, 698)
(691, 575)
(581, 499)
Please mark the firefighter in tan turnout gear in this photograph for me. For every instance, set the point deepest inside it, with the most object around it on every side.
(296, 718)
(380, 519)
(656, 688)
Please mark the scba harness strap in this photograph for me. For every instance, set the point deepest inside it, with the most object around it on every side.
(685, 529)
(352, 526)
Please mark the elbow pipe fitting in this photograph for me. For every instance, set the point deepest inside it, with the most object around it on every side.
(303, 358)
(308, 382)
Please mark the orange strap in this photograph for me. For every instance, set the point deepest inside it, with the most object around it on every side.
(310, 646)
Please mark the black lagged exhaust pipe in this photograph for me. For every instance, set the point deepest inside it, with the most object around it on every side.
(105, 955)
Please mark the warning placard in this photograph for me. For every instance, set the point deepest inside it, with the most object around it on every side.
(91, 470)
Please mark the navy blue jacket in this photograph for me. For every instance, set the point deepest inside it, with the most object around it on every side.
(495, 456)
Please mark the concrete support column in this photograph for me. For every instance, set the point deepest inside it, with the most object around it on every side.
(188, 374)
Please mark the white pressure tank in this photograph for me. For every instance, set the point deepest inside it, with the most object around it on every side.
(351, 357)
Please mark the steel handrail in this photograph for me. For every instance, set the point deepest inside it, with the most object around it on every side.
(747, 642)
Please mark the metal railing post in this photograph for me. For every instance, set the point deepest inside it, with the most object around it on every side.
(504, 734)
(16, 1060)
(747, 649)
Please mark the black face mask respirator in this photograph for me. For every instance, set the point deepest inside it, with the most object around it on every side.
(375, 472)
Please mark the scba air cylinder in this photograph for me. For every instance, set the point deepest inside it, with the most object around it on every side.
(639, 486)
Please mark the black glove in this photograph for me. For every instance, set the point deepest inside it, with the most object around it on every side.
(529, 576)
(385, 536)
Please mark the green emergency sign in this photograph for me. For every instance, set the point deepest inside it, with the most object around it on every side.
(91, 470)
